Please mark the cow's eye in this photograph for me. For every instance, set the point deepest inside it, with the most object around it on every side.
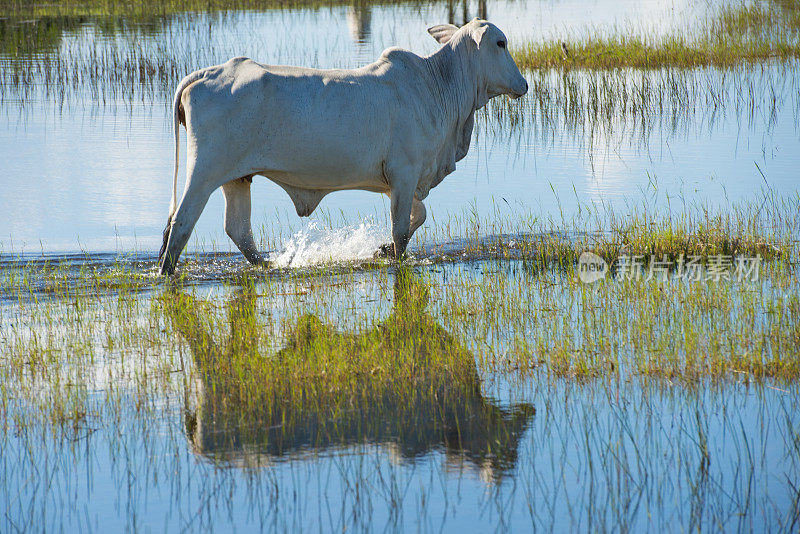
(501, 44)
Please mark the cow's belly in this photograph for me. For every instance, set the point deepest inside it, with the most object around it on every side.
(308, 159)
(327, 182)
(319, 167)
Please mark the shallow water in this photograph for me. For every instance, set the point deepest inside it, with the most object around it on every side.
(152, 449)
(86, 180)
(583, 462)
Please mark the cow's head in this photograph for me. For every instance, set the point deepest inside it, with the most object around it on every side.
(497, 72)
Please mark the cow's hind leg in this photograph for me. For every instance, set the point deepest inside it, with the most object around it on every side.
(191, 206)
(237, 217)
(165, 238)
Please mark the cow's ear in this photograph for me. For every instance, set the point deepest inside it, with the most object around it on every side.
(477, 34)
(443, 32)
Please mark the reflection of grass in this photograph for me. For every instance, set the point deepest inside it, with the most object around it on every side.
(744, 34)
(146, 9)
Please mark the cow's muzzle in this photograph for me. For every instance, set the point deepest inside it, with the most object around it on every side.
(520, 90)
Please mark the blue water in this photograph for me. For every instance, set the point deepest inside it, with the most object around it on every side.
(586, 461)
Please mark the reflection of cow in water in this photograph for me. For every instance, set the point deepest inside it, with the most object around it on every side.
(359, 20)
(465, 12)
(440, 409)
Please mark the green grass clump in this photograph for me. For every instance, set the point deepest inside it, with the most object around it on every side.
(742, 34)
(766, 228)
(642, 53)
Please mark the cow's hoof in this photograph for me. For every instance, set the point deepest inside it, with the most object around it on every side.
(166, 270)
(385, 251)
(263, 264)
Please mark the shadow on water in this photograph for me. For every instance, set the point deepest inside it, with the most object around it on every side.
(318, 393)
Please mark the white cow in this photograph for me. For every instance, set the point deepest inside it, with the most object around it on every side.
(397, 126)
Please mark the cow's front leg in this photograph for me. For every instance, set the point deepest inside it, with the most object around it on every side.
(418, 215)
(401, 204)
(237, 218)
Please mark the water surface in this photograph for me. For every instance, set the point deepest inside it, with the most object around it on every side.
(90, 170)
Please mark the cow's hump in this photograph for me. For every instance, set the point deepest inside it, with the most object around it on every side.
(397, 55)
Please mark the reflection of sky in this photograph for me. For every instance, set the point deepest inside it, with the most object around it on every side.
(92, 176)
(637, 444)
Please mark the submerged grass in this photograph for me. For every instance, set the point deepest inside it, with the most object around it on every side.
(745, 33)
(664, 328)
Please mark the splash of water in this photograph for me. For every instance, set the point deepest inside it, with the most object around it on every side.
(314, 244)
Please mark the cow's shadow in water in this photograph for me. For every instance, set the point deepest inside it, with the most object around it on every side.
(442, 409)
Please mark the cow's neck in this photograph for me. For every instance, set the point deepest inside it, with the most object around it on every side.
(456, 83)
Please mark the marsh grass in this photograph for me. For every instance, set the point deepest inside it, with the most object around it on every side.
(654, 53)
(533, 305)
(765, 227)
(743, 33)
(303, 381)
(619, 329)
(602, 111)
(120, 63)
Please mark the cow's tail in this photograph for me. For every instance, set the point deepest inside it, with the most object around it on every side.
(176, 124)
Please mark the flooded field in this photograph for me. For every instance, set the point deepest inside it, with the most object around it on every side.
(484, 383)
